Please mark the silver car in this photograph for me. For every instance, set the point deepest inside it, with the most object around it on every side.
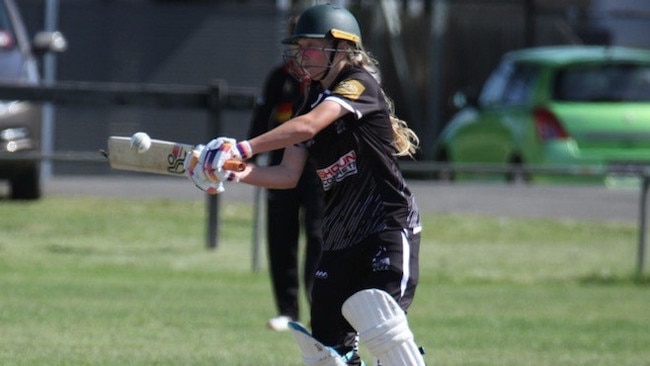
(20, 121)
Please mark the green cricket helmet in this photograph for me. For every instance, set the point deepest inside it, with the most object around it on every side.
(326, 21)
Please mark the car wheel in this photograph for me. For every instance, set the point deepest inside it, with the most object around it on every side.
(26, 185)
(517, 173)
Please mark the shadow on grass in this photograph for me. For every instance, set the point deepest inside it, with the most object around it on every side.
(609, 279)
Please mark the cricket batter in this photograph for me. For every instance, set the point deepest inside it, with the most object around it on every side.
(368, 272)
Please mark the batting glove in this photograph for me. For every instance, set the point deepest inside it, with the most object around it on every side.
(217, 152)
(194, 171)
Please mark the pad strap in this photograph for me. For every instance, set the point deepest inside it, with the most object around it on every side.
(314, 353)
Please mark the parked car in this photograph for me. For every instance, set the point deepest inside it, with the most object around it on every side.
(20, 121)
(557, 107)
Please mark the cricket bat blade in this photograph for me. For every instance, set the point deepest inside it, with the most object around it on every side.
(163, 157)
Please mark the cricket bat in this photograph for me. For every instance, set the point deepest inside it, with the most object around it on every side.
(163, 157)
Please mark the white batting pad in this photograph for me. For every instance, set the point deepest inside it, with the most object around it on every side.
(382, 328)
(314, 353)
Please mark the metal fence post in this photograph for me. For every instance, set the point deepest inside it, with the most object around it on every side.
(641, 250)
(213, 130)
(258, 227)
(259, 217)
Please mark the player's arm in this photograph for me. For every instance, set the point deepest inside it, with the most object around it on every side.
(298, 129)
(282, 176)
(286, 135)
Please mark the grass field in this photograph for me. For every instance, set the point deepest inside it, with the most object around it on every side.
(90, 281)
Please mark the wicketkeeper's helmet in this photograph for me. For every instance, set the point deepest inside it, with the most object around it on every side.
(326, 21)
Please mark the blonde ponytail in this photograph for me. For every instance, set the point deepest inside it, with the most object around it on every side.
(405, 140)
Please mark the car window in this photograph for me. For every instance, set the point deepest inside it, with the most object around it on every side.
(495, 84)
(510, 84)
(603, 83)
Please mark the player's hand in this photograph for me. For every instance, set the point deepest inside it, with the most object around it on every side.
(217, 152)
(194, 171)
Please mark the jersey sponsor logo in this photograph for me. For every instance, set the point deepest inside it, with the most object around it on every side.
(341, 169)
(350, 89)
(321, 275)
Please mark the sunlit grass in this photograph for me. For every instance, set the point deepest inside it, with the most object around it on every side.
(93, 281)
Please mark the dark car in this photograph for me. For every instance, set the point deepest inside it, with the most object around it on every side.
(20, 121)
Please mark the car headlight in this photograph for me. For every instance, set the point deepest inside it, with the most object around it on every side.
(15, 139)
(14, 134)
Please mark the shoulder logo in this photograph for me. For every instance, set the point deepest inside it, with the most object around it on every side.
(349, 88)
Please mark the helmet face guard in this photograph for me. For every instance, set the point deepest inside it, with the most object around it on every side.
(321, 22)
(299, 60)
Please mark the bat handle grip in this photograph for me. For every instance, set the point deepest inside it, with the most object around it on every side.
(234, 165)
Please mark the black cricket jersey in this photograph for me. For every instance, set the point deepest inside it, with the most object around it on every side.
(365, 192)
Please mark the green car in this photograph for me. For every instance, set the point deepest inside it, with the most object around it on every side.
(554, 111)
